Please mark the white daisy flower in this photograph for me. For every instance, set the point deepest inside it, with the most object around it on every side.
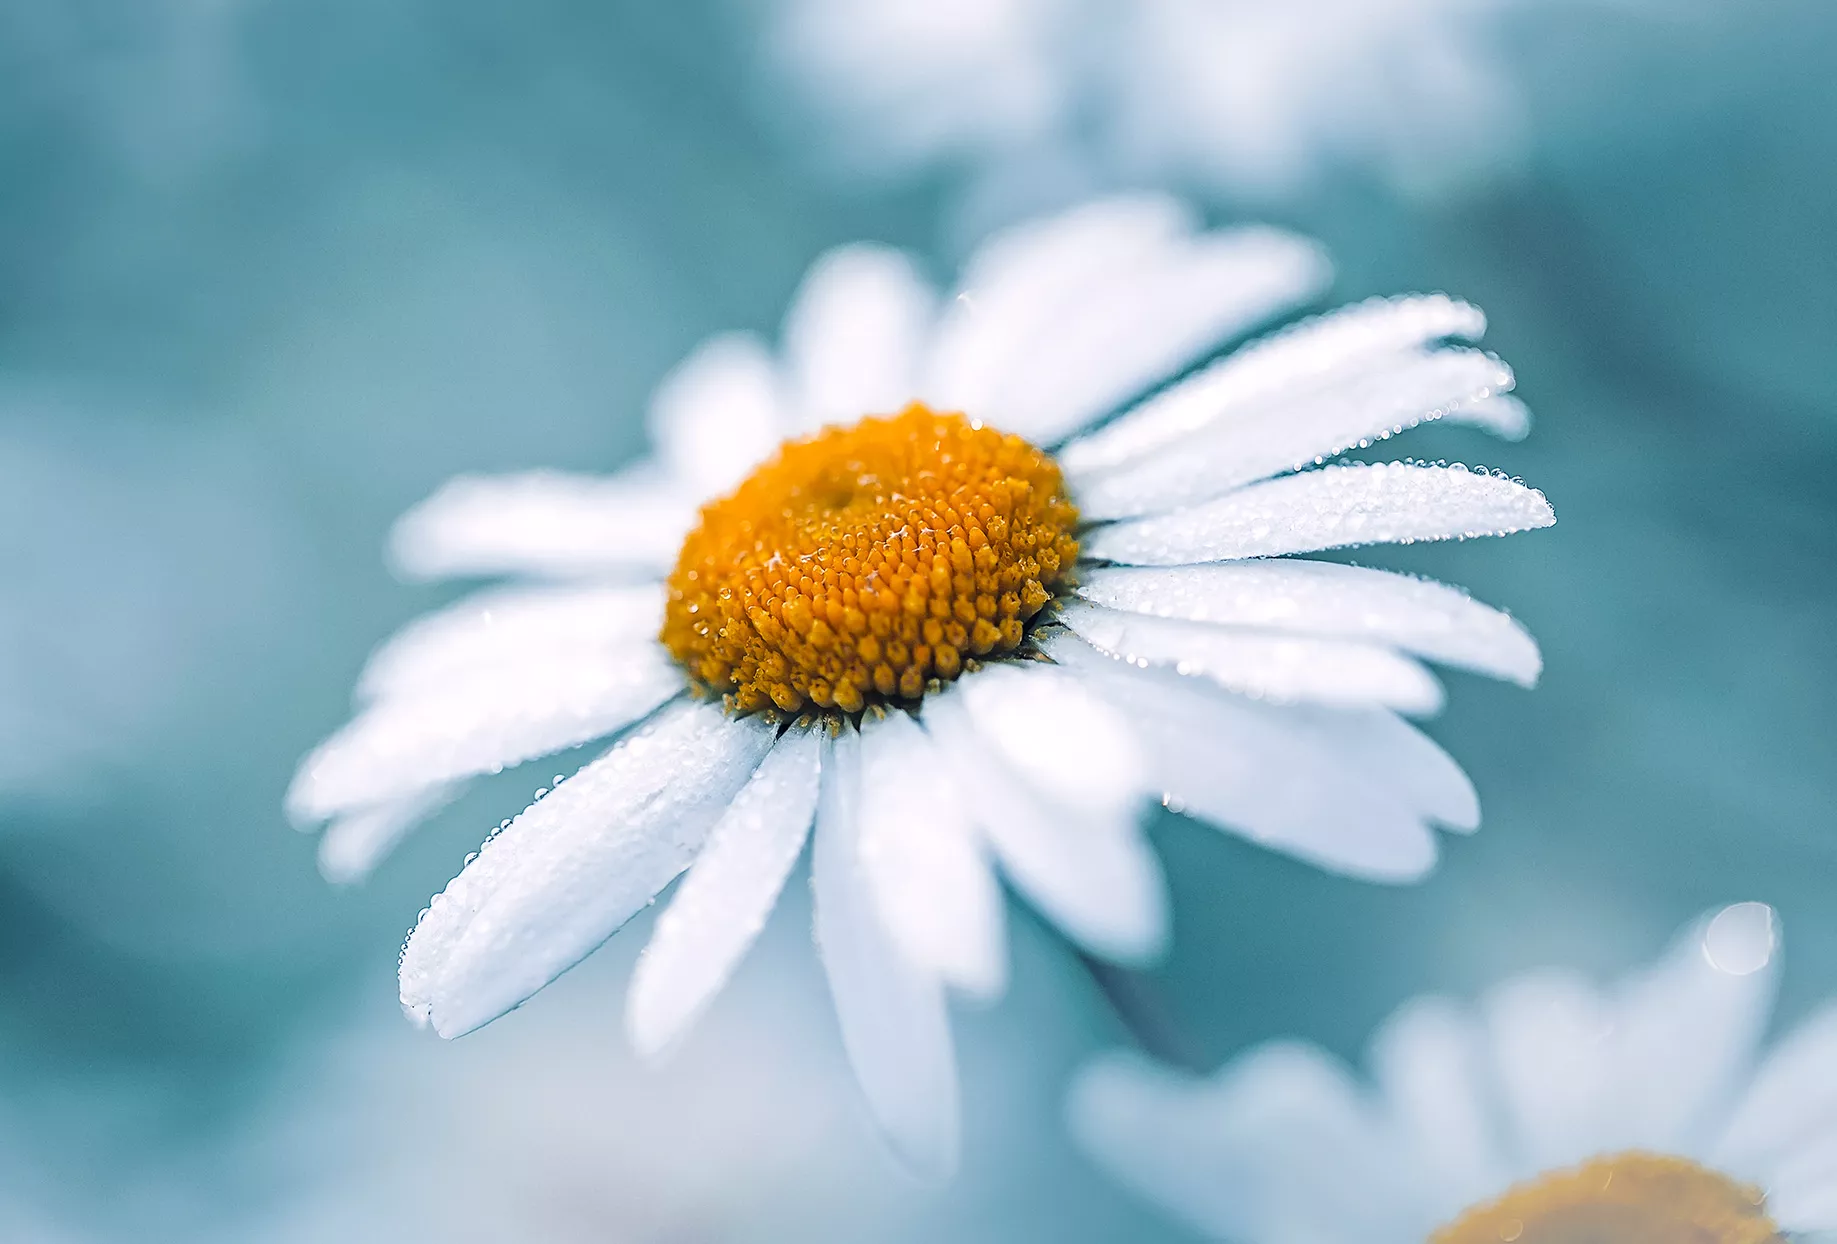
(1253, 98)
(1552, 1112)
(956, 651)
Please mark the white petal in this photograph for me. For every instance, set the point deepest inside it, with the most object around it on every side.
(1335, 507)
(1300, 355)
(1265, 665)
(1060, 738)
(575, 865)
(546, 524)
(1062, 320)
(1421, 616)
(1802, 1192)
(853, 336)
(1351, 791)
(1430, 1065)
(716, 416)
(924, 861)
(1790, 1105)
(353, 844)
(894, 1026)
(1551, 1036)
(506, 629)
(1688, 1027)
(1297, 428)
(723, 903)
(1091, 872)
(1276, 1148)
(1505, 416)
(486, 722)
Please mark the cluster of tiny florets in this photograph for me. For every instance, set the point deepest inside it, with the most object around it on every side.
(868, 563)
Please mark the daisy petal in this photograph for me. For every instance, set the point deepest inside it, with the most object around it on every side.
(1302, 355)
(574, 866)
(1688, 1028)
(1802, 1193)
(1265, 665)
(894, 1026)
(1297, 428)
(1420, 616)
(1791, 1103)
(716, 416)
(1064, 320)
(1277, 1147)
(507, 629)
(1094, 876)
(546, 524)
(723, 903)
(853, 336)
(489, 721)
(353, 844)
(1335, 507)
(1349, 791)
(1429, 1064)
(1550, 1036)
(924, 862)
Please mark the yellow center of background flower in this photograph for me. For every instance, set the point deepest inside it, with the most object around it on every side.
(869, 563)
(1631, 1198)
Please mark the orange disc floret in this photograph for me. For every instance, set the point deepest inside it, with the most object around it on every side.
(864, 563)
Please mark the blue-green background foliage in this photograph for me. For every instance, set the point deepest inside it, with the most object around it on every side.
(270, 270)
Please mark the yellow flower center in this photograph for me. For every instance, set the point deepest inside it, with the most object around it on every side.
(1630, 1198)
(869, 563)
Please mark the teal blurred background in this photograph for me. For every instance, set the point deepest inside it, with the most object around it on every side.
(271, 270)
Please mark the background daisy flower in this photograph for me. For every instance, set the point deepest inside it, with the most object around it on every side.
(953, 650)
(1554, 1107)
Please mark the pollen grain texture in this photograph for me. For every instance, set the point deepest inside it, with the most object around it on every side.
(864, 563)
(1630, 1198)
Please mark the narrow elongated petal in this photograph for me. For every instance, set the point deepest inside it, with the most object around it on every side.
(1062, 321)
(1550, 1034)
(924, 861)
(854, 336)
(1336, 507)
(1277, 1146)
(488, 721)
(723, 903)
(1296, 429)
(894, 1025)
(1420, 616)
(504, 631)
(545, 524)
(1348, 790)
(718, 414)
(1335, 344)
(1089, 870)
(1791, 1103)
(353, 844)
(1265, 665)
(575, 865)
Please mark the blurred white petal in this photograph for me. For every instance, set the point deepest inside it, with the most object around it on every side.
(724, 901)
(894, 1025)
(505, 630)
(1088, 869)
(355, 843)
(491, 719)
(1340, 343)
(1277, 1147)
(1791, 1102)
(1062, 320)
(1351, 791)
(1430, 619)
(1297, 428)
(575, 865)
(854, 335)
(1551, 1036)
(1335, 507)
(924, 862)
(1265, 665)
(546, 524)
(717, 415)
